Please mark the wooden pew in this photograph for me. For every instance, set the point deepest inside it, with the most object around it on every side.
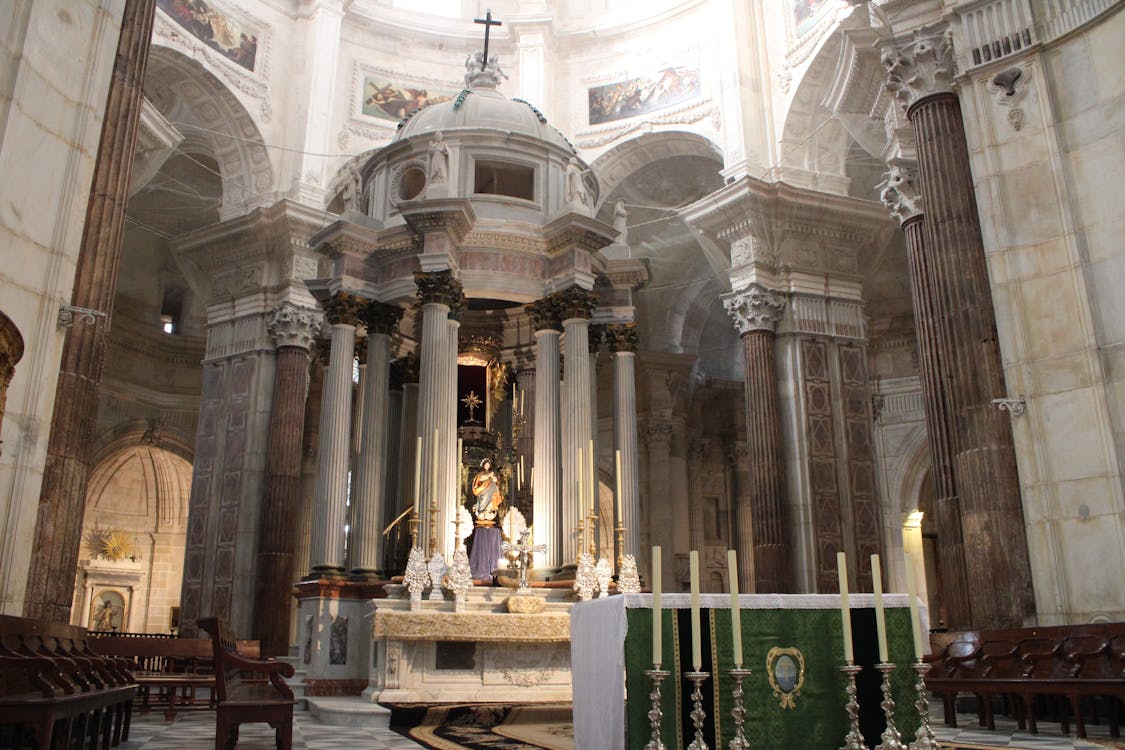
(242, 702)
(57, 692)
(169, 671)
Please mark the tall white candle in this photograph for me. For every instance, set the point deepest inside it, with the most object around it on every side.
(590, 477)
(735, 609)
(620, 517)
(657, 618)
(417, 473)
(880, 617)
(915, 620)
(434, 485)
(696, 635)
(521, 471)
(845, 609)
(457, 467)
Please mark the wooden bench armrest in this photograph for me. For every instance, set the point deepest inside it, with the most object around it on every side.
(36, 668)
(262, 666)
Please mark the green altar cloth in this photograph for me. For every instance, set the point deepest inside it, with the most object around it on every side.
(807, 627)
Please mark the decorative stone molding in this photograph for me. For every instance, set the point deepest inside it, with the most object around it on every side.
(657, 433)
(622, 337)
(291, 325)
(343, 308)
(899, 192)
(439, 287)
(380, 318)
(576, 302)
(487, 627)
(922, 67)
(755, 308)
(1010, 88)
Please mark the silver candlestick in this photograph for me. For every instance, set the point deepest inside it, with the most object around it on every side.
(891, 739)
(698, 715)
(655, 714)
(923, 738)
(738, 713)
(853, 740)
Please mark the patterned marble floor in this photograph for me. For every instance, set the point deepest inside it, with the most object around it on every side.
(196, 731)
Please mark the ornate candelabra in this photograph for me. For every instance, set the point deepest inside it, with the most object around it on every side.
(431, 544)
(619, 543)
(891, 740)
(580, 535)
(923, 738)
(655, 714)
(698, 715)
(738, 713)
(415, 522)
(592, 544)
(853, 740)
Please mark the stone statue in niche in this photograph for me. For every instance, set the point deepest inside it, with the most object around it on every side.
(105, 618)
(439, 159)
(576, 194)
(621, 222)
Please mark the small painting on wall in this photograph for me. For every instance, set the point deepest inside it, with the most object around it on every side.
(638, 96)
(216, 29)
(394, 101)
(806, 13)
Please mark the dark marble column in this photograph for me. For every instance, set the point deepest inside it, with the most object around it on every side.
(294, 329)
(901, 196)
(997, 564)
(62, 499)
(763, 525)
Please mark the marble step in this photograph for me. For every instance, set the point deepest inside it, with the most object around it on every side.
(351, 711)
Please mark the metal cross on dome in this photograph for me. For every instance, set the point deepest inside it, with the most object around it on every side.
(488, 24)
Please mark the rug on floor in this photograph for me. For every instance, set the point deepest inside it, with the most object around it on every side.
(494, 726)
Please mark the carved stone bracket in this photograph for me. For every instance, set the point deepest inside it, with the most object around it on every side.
(576, 302)
(343, 308)
(899, 192)
(439, 287)
(755, 308)
(69, 315)
(622, 337)
(380, 317)
(921, 67)
(291, 325)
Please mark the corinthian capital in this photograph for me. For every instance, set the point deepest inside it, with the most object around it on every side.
(755, 308)
(380, 318)
(291, 325)
(920, 67)
(343, 309)
(899, 192)
(439, 287)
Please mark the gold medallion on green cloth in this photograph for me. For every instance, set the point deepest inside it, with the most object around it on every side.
(786, 670)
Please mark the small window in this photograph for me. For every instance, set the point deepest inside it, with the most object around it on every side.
(168, 323)
(411, 183)
(171, 311)
(503, 178)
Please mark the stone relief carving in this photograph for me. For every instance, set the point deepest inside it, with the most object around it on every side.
(899, 192)
(1010, 88)
(524, 667)
(338, 641)
(755, 308)
(921, 67)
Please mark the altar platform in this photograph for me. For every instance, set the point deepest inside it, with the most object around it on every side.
(483, 654)
(802, 706)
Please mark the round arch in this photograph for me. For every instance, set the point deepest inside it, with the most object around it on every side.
(623, 160)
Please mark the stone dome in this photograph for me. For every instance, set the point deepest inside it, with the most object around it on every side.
(483, 107)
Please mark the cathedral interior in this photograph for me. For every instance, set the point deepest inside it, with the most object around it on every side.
(792, 278)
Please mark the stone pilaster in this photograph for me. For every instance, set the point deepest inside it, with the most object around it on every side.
(439, 293)
(546, 484)
(623, 341)
(739, 474)
(331, 499)
(576, 305)
(919, 76)
(371, 467)
(902, 197)
(294, 329)
(756, 312)
(657, 437)
(62, 498)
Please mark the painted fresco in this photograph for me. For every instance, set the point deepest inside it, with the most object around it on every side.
(637, 96)
(394, 101)
(214, 28)
(806, 13)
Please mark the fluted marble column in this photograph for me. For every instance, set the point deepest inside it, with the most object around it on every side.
(369, 481)
(763, 527)
(438, 293)
(900, 194)
(294, 329)
(407, 445)
(546, 484)
(62, 497)
(739, 474)
(623, 342)
(451, 462)
(593, 484)
(331, 499)
(919, 76)
(576, 306)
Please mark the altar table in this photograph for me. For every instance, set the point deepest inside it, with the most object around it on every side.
(611, 646)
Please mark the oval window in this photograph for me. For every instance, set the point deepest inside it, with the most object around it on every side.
(410, 183)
